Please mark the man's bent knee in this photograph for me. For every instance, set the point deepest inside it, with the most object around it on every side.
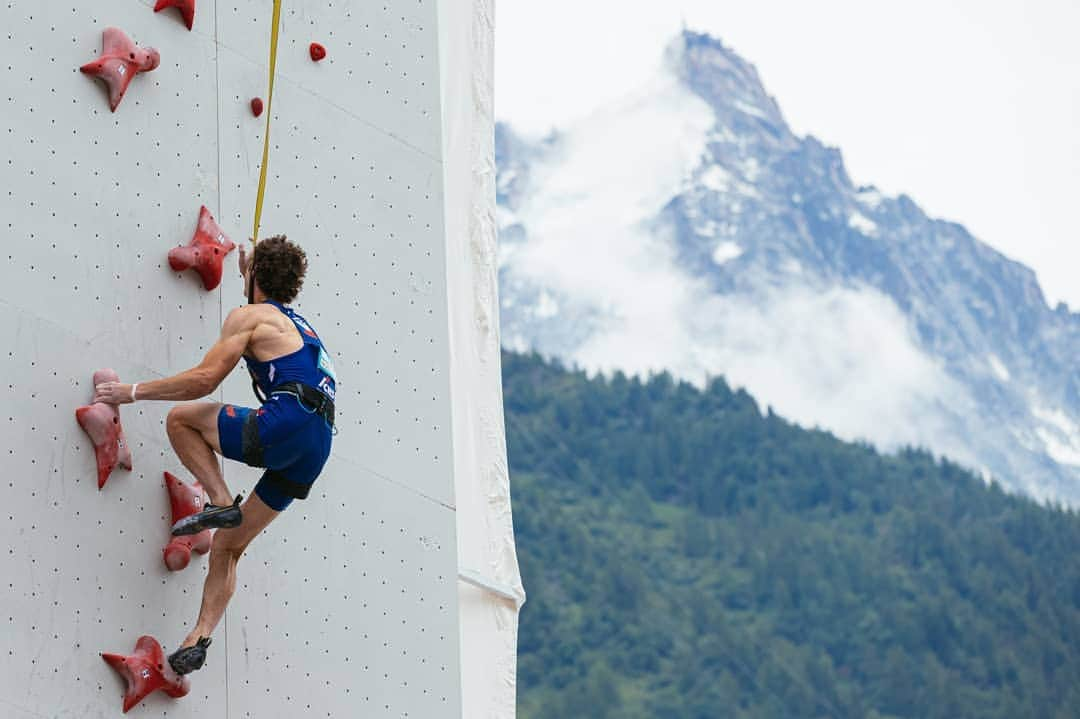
(174, 420)
(200, 417)
(181, 416)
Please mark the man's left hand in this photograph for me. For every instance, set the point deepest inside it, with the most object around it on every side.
(113, 393)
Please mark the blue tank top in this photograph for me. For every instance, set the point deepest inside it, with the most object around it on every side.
(310, 365)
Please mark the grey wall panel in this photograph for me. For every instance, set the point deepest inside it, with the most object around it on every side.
(368, 209)
(92, 201)
(96, 199)
(358, 618)
(382, 64)
(82, 569)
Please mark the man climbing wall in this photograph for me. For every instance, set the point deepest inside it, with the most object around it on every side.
(289, 434)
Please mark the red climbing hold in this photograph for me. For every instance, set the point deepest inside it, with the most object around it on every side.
(256, 106)
(318, 52)
(121, 60)
(146, 671)
(205, 252)
(186, 499)
(186, 8)
(102, 422)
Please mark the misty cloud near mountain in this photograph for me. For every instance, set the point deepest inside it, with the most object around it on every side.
(685, 228)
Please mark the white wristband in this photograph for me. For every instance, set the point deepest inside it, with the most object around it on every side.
(133, 387)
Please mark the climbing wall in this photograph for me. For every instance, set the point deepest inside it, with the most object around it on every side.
(347, 605)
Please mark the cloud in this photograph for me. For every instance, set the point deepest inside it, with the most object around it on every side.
(977, 126)
(593, 196)
(842, 358)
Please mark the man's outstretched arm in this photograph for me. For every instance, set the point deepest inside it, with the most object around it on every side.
(198, 381)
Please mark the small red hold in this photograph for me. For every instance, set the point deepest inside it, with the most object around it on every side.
(318, 52)
(102, 423)
(186, 499)
(205, 252)
(256, 106)
(186, 8)
(146, 671)
(120, 61)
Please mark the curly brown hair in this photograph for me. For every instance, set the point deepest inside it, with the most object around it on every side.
(280, 267)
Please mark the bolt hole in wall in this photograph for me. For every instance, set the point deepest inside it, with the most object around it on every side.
(94, 200)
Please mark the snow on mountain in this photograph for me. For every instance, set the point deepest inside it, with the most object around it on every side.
(686, 228)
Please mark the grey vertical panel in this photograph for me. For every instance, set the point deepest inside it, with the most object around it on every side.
(368, 209)
(347, 607)
(382, 61)
(95, 199)
(92, 202)
(82, 568)
(349, 604)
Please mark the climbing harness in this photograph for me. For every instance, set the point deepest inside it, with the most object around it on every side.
(311, 399)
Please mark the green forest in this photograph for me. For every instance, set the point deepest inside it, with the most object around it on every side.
(688, 554)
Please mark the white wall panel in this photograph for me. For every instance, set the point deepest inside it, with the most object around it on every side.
(347, 605)
(492, 594)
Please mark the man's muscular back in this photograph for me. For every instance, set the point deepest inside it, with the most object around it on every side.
(273, 335)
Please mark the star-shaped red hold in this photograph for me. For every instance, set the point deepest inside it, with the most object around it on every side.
(121, 60)
(186, 8)
(205, 252)
(102, 423)
(146, 671)
(186, 499)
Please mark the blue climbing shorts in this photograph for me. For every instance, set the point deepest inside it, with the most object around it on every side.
(291, 441)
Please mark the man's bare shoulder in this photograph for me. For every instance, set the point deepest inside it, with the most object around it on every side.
(248, 318)
(267, 332)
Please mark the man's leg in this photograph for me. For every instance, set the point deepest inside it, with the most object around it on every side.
(225, 552)
(193, 431)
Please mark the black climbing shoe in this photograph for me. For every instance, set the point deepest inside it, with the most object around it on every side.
(212, 517)
(187, 659)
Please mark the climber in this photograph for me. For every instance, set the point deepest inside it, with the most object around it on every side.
(289, 434)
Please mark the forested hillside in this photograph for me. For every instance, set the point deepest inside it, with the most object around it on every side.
(686, 556)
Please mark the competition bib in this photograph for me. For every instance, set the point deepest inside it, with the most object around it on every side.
(326, 365)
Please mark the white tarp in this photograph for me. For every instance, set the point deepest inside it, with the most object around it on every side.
(490, 591)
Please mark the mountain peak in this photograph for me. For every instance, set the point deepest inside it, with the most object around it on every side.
(728, 83)
(687, 228)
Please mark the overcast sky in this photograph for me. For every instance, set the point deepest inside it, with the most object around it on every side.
(971, 108)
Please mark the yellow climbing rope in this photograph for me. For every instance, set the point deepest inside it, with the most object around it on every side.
(269, 113)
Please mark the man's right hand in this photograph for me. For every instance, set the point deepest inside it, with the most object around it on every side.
(243, 260)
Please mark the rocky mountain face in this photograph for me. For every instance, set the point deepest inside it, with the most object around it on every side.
(687, 228)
